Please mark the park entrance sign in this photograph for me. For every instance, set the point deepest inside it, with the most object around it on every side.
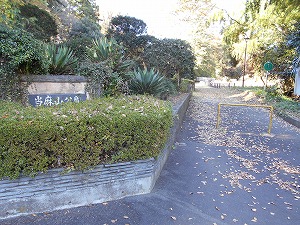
(268, 66)
(52, 90)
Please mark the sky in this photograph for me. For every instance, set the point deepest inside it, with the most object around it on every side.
(158, 14)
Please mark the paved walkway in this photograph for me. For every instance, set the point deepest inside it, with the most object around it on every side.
(237, 174)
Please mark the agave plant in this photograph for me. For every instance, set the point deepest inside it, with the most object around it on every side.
(149, 82)
(111, 52)
(104, 49)
(61, 59)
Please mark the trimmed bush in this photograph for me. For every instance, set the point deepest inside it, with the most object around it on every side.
(81, 136)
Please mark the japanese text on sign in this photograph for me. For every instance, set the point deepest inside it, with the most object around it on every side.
(55, 99)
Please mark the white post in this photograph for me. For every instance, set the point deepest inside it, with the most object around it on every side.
(266, 85)
(297, 82)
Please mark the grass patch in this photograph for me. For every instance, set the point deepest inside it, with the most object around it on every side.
(282, 104)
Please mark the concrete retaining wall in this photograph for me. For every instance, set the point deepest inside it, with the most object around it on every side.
(53, 191)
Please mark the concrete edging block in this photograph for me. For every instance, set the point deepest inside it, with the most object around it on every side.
(290, 120)
(53, 191)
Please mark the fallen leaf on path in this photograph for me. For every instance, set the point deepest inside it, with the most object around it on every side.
(287, 203)
(254, 219)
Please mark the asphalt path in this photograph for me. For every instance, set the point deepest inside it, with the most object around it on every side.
(236, 174)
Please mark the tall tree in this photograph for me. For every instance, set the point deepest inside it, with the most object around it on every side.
(267, 23)
(85, 8)
(76, 18)
(129, 31)
(206, 46)
(172, 57)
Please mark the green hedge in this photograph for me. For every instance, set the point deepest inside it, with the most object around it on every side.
(81, 136)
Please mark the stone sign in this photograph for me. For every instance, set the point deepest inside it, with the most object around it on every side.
(51, 90)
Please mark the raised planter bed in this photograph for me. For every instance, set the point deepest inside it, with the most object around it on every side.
(53, 191)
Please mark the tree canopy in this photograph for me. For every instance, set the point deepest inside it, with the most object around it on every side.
(271, 28)
(206, 46)
(85, 8)
(172, 57)
(127, 25)
(130, 32)
(268, 25)
(37, 21)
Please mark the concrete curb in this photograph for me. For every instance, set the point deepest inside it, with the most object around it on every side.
(295, 122)
(53, 191)
(178, 115)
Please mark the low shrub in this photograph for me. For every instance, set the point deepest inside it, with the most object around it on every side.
(186, 85)
(79, 45)
(79, 136)
(109, 51)
(104, 49)
(20, 53)
(282, 104)
(106, 68)
(103, 81)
